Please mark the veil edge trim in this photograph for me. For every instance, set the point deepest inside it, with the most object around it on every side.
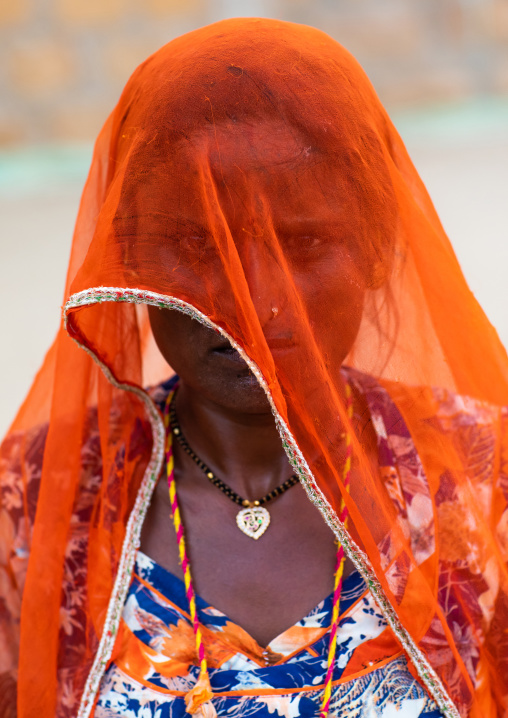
(132, 536)
(96, 295)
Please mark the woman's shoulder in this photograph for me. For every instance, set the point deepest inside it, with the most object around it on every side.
(452, 431)
(451, 410)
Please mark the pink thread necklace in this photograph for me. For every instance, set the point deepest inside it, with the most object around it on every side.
(198, 701)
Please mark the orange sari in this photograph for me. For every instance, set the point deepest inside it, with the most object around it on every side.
(333, 211)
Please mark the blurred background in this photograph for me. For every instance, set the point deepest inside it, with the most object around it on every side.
(439, 66)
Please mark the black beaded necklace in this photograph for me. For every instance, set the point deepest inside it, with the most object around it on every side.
(253, 519)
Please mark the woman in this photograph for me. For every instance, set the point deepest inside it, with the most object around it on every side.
(251, 208)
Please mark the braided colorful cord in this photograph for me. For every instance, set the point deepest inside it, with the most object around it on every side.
(339, 568)
(202, 693)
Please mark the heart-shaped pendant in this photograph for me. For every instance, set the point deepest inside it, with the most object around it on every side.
(253, 522)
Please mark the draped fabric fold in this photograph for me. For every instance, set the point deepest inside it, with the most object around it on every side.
(250, 177)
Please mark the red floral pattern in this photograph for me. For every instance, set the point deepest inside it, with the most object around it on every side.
(468, 584)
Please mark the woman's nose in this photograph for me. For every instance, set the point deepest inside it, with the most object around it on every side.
(265, 278)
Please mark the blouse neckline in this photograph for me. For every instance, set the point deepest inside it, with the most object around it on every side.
(293, 639)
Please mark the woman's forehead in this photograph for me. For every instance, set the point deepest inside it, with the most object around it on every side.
(256, 145)
(269, 171)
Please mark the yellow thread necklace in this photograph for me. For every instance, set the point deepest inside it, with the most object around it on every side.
(199, 700)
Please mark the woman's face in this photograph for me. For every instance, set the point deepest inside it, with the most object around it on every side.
(302, 235)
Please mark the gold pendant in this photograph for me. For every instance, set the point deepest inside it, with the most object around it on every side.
(253, 521)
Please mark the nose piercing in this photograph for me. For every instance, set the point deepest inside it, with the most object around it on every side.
(275, 311)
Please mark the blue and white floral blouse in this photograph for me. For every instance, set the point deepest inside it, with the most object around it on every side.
(156, 663)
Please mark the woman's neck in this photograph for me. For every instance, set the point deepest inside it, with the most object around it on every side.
(245, 449)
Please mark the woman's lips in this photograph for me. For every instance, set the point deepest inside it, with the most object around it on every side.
(228, 353)
(278, 343)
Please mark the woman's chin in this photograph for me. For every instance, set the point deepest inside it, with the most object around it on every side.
(231, 385)
(246, 395)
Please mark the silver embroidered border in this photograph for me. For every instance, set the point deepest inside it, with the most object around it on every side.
(133, 532)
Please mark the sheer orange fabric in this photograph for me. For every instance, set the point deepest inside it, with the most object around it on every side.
(250, 177)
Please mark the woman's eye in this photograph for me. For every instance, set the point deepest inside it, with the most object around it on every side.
(199, 240)
(303, 242)
(310, 241)
(196, 242)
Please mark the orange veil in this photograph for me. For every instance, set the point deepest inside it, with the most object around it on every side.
(325, 217)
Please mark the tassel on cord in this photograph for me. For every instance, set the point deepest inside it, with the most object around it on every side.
(198, 700)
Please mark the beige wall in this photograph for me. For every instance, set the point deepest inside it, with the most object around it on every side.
(64, 62)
